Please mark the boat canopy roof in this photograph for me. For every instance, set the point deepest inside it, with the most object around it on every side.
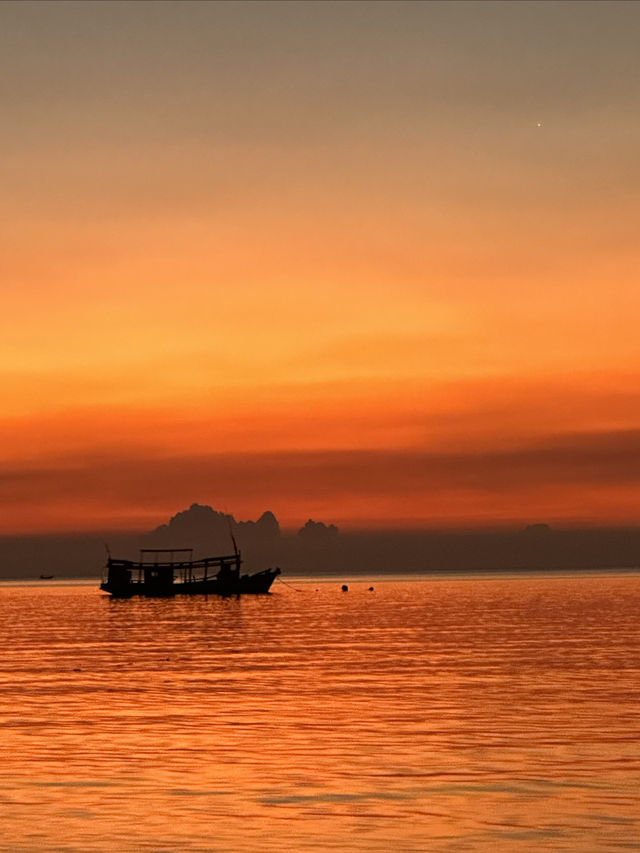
(157, 561)
(164, 550)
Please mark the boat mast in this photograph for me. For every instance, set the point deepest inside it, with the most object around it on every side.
(235, 546)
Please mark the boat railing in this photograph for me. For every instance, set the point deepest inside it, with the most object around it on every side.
(173, 571)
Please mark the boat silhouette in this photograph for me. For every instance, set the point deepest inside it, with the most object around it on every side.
(166, 572)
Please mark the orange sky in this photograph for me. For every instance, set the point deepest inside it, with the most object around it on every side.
(366, 262)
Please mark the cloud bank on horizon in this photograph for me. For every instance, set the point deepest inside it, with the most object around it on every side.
(374, 262)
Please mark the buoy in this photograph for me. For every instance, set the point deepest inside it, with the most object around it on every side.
(345, 588)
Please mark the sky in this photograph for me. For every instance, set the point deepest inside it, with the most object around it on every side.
(374, 263)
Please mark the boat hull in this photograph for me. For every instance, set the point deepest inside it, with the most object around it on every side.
(256, 584)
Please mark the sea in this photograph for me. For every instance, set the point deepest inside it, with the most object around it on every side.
(405, 715)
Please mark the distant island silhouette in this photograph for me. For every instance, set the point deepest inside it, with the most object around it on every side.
(321, 548)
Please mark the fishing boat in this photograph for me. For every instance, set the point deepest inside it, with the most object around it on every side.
(168, 572)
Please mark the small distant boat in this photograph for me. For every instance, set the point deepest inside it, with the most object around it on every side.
(166, 572)
(46, 577)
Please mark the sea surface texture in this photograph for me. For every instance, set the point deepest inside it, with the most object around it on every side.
(492, 714)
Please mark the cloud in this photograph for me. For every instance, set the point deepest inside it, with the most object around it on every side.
(593, 475)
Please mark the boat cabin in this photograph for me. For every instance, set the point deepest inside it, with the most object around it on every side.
(169, 571)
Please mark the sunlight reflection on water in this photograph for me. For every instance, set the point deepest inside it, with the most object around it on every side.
(442, 714)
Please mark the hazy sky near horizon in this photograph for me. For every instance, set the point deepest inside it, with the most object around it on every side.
(358, 261)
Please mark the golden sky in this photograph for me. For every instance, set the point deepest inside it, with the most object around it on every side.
(369, 262)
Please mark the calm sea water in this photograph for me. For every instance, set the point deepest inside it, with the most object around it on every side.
(432, 715)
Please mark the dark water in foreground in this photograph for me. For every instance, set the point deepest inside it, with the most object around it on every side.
(430, 715)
